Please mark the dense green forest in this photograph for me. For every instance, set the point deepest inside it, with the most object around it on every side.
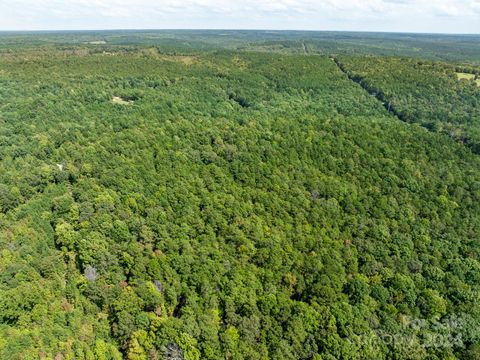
(425, 92)
(231, 204)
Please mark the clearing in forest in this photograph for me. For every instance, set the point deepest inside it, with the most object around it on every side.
(466, 76)
(121, 101)
(186, 60)
(96, 42)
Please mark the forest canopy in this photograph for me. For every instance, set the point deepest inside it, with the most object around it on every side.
(236, 205)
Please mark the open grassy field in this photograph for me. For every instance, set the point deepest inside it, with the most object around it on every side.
(468, 76)
(465, 76)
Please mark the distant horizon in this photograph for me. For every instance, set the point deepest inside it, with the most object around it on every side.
(233, 29)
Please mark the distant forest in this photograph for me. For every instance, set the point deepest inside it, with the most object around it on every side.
(462, 48)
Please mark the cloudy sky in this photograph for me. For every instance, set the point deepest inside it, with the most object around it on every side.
(444, 16)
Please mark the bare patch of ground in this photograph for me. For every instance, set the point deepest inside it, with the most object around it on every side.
(121, 101)
(96, 42)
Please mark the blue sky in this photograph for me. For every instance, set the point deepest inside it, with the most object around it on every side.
(444, 16)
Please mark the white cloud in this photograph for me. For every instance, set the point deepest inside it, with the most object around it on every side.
(476, 6)
(448, 10)
(386, 15)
